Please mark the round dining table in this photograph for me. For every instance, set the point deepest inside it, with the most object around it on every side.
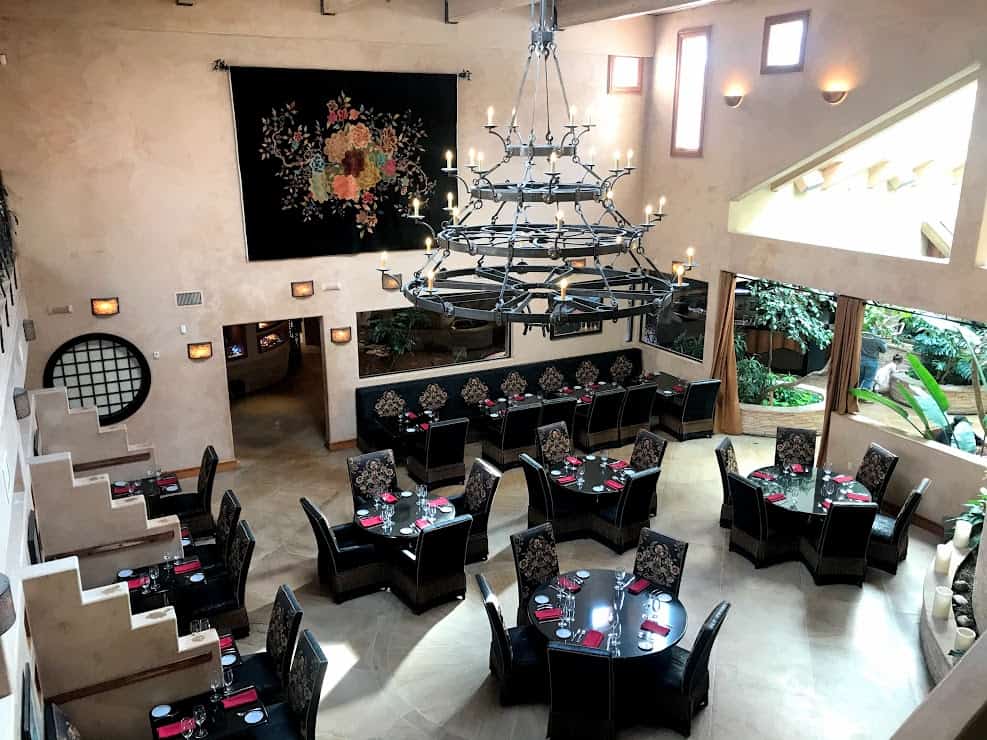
(810, 491)
(407, 511)
(596, 471)
(616, 613)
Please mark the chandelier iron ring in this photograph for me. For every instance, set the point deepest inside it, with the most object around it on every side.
(534, 240)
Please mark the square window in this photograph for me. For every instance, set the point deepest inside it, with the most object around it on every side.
(625, 75)
(783, 48)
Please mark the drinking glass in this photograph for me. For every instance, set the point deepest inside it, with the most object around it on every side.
(166, 563)
(199, 714)
(603, 458)
(153, 573)
(216, 684)
(188, 727)
(228, 679)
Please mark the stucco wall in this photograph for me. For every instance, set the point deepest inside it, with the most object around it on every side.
(117, 146)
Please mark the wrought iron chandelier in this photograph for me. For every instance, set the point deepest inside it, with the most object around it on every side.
(540, 274)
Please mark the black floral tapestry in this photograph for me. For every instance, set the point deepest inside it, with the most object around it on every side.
(330, 160)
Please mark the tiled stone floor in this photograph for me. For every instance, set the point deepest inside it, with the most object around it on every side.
(793, 660)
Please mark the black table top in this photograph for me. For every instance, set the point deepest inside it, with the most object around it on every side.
(668, 385)
(594, 606)
(167, 591)
(144, 487)
(406, 512)
(220, 721)
(806, 492)
(594, 471)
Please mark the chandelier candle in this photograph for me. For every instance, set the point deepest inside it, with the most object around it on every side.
(415, 205)
(449, 159)
(490, 112)
(661, 206)
(428, 245)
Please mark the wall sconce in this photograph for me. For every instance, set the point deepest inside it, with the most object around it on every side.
(577, 262)
(22, 403)
(105, 306)
(835, 94)
(340, 335)
(390, 280)
(733, 97)
(30, 331)
(303, 289)
(199, 350)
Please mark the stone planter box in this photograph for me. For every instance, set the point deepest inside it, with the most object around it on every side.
(763, 421)
(961, 397)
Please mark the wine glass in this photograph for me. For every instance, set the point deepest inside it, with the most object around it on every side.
(188, 727)
(199, 714)
(217, 684)
(228, 679)
(166, 563)
(153, 573)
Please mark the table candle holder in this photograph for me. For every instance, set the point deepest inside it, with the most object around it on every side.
(965, 637)
(961, 536)
(942, 602)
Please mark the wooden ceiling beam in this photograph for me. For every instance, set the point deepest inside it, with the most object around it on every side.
(460, 10)
(578, 12)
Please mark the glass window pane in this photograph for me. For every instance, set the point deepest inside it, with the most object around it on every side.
(691, 93)
(625, 72)
(785, 43)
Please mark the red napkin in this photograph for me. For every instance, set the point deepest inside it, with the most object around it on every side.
(546, 614)
(678, 388)
(798, 468)
(638, 586)
(593, 639)
(488, 403)
(566, 389)
(567, 479)
(649, 625)
(573, 460)
(168, 480)
(423, 426)
(585, 399)
(439, 501)
(186, 532)
(422, 523)
(763, 476)
(240, 698)
(594, 386)
(226, 642)
(826, 503)
(388, 498)
(619, 465)
(519, 397)
(858, 497)
(613, 485)
(411, 415)
(135, 583)
(172, 730)
(187, 567)
(568, 584)
(843, 478)
(122, 489)
(775, 497)
(371, 521)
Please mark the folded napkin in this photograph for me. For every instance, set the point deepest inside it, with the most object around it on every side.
(226, 642)
(518, 396)
(567, 479)
(593, 639)
(566, 389)
(798, 468)
(186, 532)
(649, 625)
(422, 523)
(122, 489)
(247, 696)
(168, 480)
(775, 497)
(843, 478)
(678, 388)
(573, 460)
(134, 583)
(638, 586)
(568, 584)
(613, 485)
(858, 497)
(188, 567)
(423, 426)
(371, 521)
(439, 501)
(585, 399)
(594, 386)
(618, 465)
(489, 403)
(388, 498)
(546, 614)
(411, 415)
(763, 476)
(826, 503)
(172, 730)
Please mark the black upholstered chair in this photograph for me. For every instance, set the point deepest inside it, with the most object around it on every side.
(193, 508)
(294, 719)
(554, 444)
(635, 414)
(476, 500)
(34, 551)
(875, 471)
(559, 409)
(434, 573)
(582, 693)
(752, 533)
(599, 426)
(439, 460)
(620, 523)
(795, 446)
(221, 598)
(517, 655)
(682, 676)
(348, 565)
(214, 551)
(726, 461)
(691, 414)
(539, 494)
(536, 561)
(889, 535)
(661, 559)
(511, 435)
(371, 474)
(267, 671)
(839, 554)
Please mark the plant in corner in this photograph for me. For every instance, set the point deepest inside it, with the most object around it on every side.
(974, 513)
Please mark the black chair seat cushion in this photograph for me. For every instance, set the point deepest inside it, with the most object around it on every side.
(355, 551)
(528, 647)
(883, 528)
(281, 725)
(258, 670)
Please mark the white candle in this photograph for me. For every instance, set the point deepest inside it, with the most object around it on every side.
(589, 116)
(559, 218)
(572, 115)
(616, 160)
(416, 204)
(455, 215)
(964, 639)
(472, 156)
(449, 200)
(609, 195)
(630, 157)
(592, 156)
(690, 253)
(383, 260)
(679, 272)
(490, 112)
(428, 245)
(449, 159)
(513, 117)
(647, 212)
(553, 160)
(562, 288)
(479, 159)
(944, 554)
(431, 279)
(661, 205)
(961, 537)
(942, 602)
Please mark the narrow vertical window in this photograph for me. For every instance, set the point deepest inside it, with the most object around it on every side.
(689, 108)
(783, 47)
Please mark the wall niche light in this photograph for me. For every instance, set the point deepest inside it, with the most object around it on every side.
(303, 289)
(390, 280)
(835, 93)
(104, 306)
(734, 96)
(200, 350)
(340, 334)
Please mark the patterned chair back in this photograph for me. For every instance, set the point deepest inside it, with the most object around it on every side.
(587, 373)
(551, 380)
(389, 405)
(474, 392)
(621, 369)
(481, 485)
(554, 443)
(697, 665)
(649, 450)
(904, 519)
(207, 476)
(536, 560)
(539, 494)
(500, 643)
(846, 530)
(875, 471)
(660, 559)
(371, 473)
(559, 409)
(795, 446)
(433, 397)
(241, 551)
(750, 514)
(282, 631)
(308, 669)
(513, 384)
(229, 515)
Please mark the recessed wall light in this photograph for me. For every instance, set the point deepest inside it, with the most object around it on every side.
(105, 306)
(835, 95)
(303, 289)
(390, 280)
(340, 335)
(200, 350)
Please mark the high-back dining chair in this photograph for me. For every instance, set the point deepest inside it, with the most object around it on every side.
(600, 425)
(581, 680)
(635, 414)
(839, 555)
(476, 500)
(536, 561)
(889, 535)
(440, 460)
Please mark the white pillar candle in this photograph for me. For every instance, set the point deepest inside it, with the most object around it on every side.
(944, 554)
(490, 112)
(472, 156)
(616, 160)
(961, 537)
(964, 639)
(661, 205)
(630, 157)
(416, 205)
(942, 602)
(592, 156)
(479, 159)
(449, 159)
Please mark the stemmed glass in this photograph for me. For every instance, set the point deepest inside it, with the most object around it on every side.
(603, 458)
(187, 727)
(166, 564)
(217, 685)
(152, 572)
(228, 680)
(199, 714)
